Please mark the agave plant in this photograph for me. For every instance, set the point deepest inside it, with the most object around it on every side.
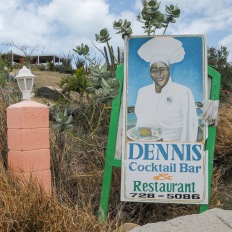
(63, 121)
(150, 16)
(103, 37)
(82, 49)
(123, 28)
(153, 19)
(172, 13)
(102, 87)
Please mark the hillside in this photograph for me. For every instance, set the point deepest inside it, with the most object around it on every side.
(47, 78)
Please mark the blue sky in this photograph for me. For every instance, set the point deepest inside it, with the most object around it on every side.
(57, 26)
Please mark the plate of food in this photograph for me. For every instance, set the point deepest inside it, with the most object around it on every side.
(145, 133)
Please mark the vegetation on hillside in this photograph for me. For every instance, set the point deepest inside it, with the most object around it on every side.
(218, 59)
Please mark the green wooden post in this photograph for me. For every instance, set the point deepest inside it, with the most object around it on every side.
(210, 143)
(110, 161)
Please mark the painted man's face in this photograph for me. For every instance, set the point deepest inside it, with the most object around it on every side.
(160, 74)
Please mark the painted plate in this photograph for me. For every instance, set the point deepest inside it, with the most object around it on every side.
(135, 134)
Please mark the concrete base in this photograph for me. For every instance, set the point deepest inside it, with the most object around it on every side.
(28, 143)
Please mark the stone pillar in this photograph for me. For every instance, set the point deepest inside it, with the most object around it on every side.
(28, 142)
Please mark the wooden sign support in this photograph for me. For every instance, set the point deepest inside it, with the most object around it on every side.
(111, 161)
(210, 142)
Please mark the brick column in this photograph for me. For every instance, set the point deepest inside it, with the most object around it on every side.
(28, 142)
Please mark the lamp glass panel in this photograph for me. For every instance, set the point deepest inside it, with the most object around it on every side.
(29, 83)
(21, 84)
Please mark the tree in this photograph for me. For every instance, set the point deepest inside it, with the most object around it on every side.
(218, 59)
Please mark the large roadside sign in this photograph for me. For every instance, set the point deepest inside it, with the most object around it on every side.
(163, 142)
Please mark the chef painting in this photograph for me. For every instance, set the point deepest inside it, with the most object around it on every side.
(165, 110)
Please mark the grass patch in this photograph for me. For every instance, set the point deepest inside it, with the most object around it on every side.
(47, 78)
(23, 207)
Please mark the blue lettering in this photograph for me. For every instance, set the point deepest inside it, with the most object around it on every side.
(140, 168)
(148, 148)
(148, 168)
(156, 151)
(183, 167)
(163, 152)
(178, 152)
(188, 158)
(154, 167)
(135, 151)
(130, 166)
(197, 152)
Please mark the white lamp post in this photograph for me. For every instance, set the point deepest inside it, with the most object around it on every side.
(25, 81)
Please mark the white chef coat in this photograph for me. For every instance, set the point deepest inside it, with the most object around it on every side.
(173, 110)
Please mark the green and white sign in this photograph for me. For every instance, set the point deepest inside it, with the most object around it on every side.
(165, 172)
(163, 142)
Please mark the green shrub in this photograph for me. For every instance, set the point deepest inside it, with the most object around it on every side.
(76, 83)
(218, 59)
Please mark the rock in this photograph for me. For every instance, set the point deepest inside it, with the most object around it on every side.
(128, 227)
(213, 220)
(48, 92)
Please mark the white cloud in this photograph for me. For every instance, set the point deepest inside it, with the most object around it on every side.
(199, 26)
(227, 42)
(138, 5)
(202, 16)
(59, 23)
(78, 16)
(7, 5)
(195, 8)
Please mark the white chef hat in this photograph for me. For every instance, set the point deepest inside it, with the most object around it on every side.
(162, 49)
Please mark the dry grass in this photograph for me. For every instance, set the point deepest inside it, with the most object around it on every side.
(3, 131)
(46, 78)
(224, 131)
(9, 94)
(23, 207)
(223, 148)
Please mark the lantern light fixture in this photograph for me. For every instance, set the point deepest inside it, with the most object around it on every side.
(25, 81)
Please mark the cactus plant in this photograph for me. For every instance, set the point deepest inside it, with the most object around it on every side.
(102, 87)
(123, 28)
(153, 19)
(103, 37)
(82, 49)
(63, 121)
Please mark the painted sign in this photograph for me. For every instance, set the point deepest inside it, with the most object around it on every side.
(163, 145)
